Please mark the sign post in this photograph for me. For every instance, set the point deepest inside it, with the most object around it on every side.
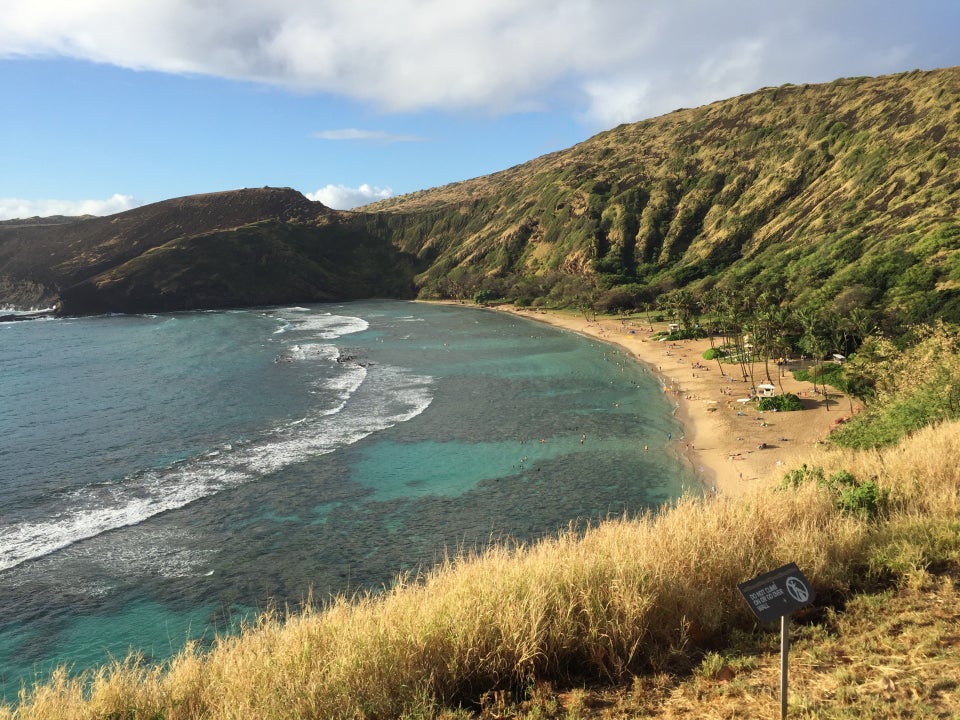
(777, 594)
(784, 654)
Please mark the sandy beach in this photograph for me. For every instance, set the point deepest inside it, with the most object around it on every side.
(731, 445)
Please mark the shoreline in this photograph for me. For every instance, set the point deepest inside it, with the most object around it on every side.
(731, 446)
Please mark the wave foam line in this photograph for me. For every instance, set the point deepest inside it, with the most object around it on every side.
(330, 327)
(389, 397)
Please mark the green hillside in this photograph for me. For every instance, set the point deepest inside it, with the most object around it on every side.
(839, 198)
(844, 194)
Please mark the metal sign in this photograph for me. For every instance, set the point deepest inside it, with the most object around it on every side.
(777, 593)
(774, 595)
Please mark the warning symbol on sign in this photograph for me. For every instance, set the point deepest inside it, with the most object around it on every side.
(798, 589)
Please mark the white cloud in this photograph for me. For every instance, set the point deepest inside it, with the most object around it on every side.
(13, 208)
(604, 60)
(340, 197)
(366, 135)
(613, 102)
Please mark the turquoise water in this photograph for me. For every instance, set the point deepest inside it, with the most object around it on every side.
(164, 475)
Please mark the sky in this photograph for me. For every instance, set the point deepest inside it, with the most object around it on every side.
(106, 105)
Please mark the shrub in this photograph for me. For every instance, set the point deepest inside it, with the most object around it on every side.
(482, 297)
(863, 499)
(714, 353)
(857, 498)
(801, 475)
(915, 387)
(783, 403)
(614, 300)
(829, 373)
(691, 334)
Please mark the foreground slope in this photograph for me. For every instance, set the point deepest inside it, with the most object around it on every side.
(632, 601)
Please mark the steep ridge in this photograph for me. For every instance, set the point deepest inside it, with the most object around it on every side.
(846, 193)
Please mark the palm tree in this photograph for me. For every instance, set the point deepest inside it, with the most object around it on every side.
(681, 305)
(817, 331)
(782, 326)
(765, 319)
(856, 327)
(647, 308)
(713, 303)
(738, 312)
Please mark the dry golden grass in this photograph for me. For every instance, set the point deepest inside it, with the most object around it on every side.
(888, 655)
(634, 597)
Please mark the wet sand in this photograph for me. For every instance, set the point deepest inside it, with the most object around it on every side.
(732, 446)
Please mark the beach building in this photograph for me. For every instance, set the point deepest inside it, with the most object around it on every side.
(766, 390)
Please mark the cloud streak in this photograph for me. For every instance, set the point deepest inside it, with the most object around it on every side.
(604, 61)
(365, 135)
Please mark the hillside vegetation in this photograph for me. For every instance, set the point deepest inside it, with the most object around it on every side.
(835, 196)
(841, 195)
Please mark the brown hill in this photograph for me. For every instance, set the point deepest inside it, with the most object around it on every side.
(243, 247)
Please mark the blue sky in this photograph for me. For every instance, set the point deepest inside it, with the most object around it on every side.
(110, 105)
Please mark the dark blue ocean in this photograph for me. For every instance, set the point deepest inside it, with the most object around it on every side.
(163, 476)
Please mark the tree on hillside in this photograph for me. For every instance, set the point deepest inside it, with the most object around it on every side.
(856, 326)
(913, 386)
(460, 284)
